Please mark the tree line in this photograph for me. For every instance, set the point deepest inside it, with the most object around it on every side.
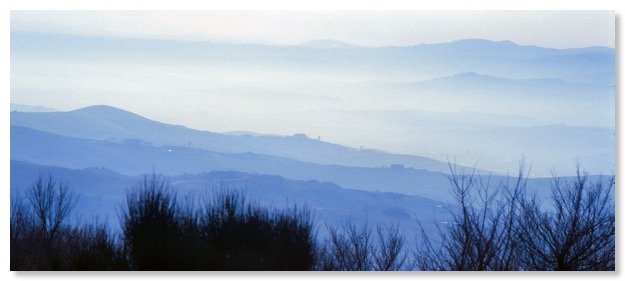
(500, 229)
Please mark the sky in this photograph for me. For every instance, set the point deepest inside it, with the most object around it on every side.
(554, 29)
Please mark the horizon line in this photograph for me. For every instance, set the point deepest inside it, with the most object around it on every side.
(347, 45)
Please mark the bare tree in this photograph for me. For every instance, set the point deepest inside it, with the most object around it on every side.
(43, 239)
(390, 255)
(21, 220)
(576, 233)
(512, 231)
(52, 202)
(351, 248)
(25, 249)
(480, 235)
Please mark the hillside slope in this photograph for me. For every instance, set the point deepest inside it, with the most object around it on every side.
(113, 124)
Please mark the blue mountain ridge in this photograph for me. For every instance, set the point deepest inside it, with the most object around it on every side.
(135, 157)
(113, 124)
(484, 56)
(101, 193)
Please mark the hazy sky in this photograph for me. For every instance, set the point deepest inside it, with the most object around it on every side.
(556, 29)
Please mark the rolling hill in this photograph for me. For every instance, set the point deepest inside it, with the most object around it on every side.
(101, 193)
(135, 158)
(116, 125)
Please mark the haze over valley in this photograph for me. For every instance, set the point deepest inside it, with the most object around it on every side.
(353, 125)
(477, 101)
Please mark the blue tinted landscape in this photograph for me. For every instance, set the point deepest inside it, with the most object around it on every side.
(435, 154)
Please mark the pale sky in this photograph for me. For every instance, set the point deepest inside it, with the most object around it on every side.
(555, 29)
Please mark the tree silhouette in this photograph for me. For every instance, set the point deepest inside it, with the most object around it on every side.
(226, 233)
(576, 232)
(41, 238)
(481, 234)
(352, 248)
(151, 227)
(246, 236)
(51, 203)
(505, 229)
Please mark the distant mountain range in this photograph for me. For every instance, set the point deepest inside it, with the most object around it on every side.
(486, 101)
(102, 152)
(103, 136)
(101, 193)
(550, 99)
(30, 108)
(410, 100)
(111, 138)
(327, 44)
(593, 65)
(112, 124)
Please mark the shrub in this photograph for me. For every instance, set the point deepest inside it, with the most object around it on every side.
(245, 236)
(152, 232)
(227, 233)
